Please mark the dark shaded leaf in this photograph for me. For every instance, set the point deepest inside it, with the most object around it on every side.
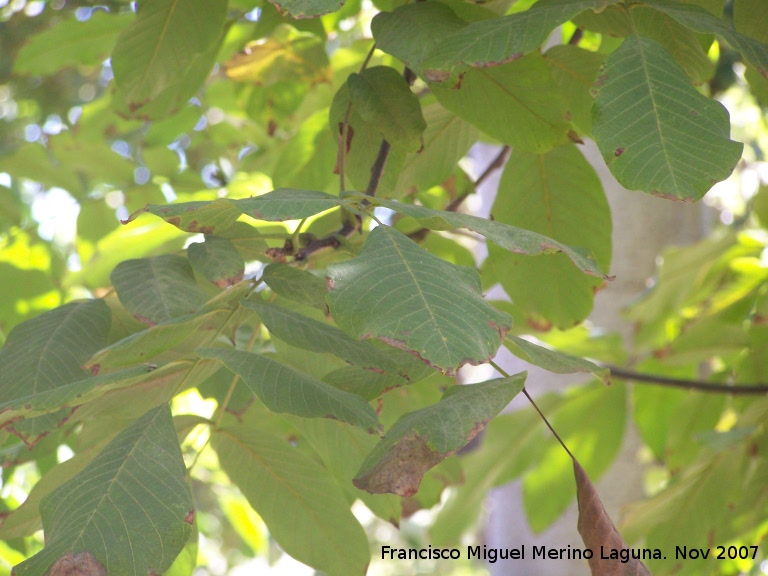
(157, 289)
(218, 260)
(283, 389)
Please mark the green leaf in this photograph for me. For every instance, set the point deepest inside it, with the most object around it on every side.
(164, 56)
(511, 444)
(48, 352)
(557, 194)
(157, 289)
(308, 158)
(573, 71)
(421, 439)
(700, 20)
(410, 32)
(517, 103)
(696, 508)
(306, 8)
(656, 132)
(129, 511)
(364, 142)
(749, 17)
(294, 284)
(283, 389)
(70, 43)
(70, 395)
(517, 240)
(499, 40)
(218, 260)
(396, 291)
(182, 335)
(446, 140)
(286, 54)
(304, 332)
(217, 215)
(554, 361)
(384, 100)
(298, 499)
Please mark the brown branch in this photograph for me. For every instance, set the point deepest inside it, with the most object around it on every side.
(495, 164)
(578, 34)
(699, 385)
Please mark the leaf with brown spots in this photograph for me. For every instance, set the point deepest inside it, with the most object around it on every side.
(422, 439)
(598, 532)
(126, 513)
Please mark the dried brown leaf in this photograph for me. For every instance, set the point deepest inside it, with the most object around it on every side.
(599, 534)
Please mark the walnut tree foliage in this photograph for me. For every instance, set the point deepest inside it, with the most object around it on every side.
(271, 217)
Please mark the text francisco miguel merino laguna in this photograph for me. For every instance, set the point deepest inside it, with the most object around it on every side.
(520, 553)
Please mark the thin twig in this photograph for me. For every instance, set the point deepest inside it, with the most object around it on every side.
(495, 164)
(699, 385)
(536, 407)
(578, 34)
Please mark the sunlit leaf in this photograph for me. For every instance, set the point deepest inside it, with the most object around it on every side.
(286, 55)
(420, 440)
(163, 57)
(306, 8)
(298, 499)
(128, 512)
(71, 43)
(397, 292)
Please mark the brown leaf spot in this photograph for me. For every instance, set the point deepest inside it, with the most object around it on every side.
(95, 369)
(144, 320)
(80, 564)
(174, 220)
(618, 152)
(539, 324)
(402, 468)
(227, 282)
(507, 60)
(276, 254)
(574, 137)
(436, 75)
(190, 517)
(330, 283)
(597, 530)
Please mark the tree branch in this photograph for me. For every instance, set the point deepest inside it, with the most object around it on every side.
(699, 385)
